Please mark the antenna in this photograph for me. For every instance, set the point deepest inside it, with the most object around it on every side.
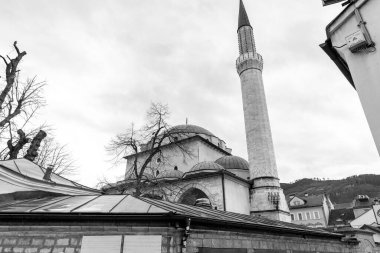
(186, 120)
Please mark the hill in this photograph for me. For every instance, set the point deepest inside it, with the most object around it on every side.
(340, 191)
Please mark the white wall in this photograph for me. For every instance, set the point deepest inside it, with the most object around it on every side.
(367, 218)
(364, 66)
(313, 221)
(237, 195)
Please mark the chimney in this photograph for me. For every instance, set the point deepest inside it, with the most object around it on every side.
(48, 172)
(203, 202)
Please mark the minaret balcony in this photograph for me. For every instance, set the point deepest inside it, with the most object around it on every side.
(249, 60)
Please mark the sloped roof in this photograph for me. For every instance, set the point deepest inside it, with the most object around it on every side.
(341, 217)
(25, 169)
(373, 228)
(93, 207)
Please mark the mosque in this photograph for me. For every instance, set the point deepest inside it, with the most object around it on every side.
(212, 173)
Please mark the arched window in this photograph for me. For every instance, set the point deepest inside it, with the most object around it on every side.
(191, 195)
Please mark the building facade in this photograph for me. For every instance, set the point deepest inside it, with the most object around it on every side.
(352, 39)
(310, 210)
(123, 224)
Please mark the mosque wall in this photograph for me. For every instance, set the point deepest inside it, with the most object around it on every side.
(208, 153)
(70, 238)
(173, 156)
(237, 195)
(208, 241)
(211, 186)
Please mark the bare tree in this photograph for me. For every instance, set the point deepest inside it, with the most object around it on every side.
(145, 144)
(19, 104)
(52, 153)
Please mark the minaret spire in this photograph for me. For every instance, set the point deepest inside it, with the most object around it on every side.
(267, 197)
(243, 17)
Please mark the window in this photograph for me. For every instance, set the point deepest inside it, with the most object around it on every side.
(114, 244)
(297, 203)
(175, 168)
(316, 215)
(292, 216)
(308, 216)
(158, 160)
(300, 216)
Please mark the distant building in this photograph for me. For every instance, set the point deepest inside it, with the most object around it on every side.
(310, 210)
(341, 217)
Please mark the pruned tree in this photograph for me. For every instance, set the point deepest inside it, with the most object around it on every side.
(19, 104)
(152, 141)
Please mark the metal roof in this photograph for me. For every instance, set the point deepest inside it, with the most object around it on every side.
(190, 129)
(127, 205)
(233, 162)
(27, 169)
(243, 17)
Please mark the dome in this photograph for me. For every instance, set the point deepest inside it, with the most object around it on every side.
(171, 174)
(206, 166)
(190, 129)
(233, 162)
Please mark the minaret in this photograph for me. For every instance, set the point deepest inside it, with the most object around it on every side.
(266, 196)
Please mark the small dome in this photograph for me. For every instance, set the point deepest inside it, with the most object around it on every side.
(190, 129)
(206, 166)
(170, 174)
(233, 162)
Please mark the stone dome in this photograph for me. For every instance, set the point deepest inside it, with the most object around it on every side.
(190, 129)
(210, 166)
(170, 174)
(233, 162)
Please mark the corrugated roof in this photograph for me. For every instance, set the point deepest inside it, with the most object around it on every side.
(128, 205)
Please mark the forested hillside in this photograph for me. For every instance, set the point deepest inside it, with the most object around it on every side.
(340, 191)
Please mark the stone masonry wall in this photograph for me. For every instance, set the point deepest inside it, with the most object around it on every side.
(266, 243)
(67, 239)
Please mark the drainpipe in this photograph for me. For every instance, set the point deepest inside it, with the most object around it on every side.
(224, 193)
(186, 233)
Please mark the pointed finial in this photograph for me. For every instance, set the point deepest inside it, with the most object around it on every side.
(243, 17)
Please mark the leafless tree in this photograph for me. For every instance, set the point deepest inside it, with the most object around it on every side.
(19, 104)
(52, 153)
(145, 144)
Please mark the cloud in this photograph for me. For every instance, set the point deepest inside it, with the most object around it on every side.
(105, 61)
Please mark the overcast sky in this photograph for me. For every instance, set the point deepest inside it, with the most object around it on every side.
(105, 61)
